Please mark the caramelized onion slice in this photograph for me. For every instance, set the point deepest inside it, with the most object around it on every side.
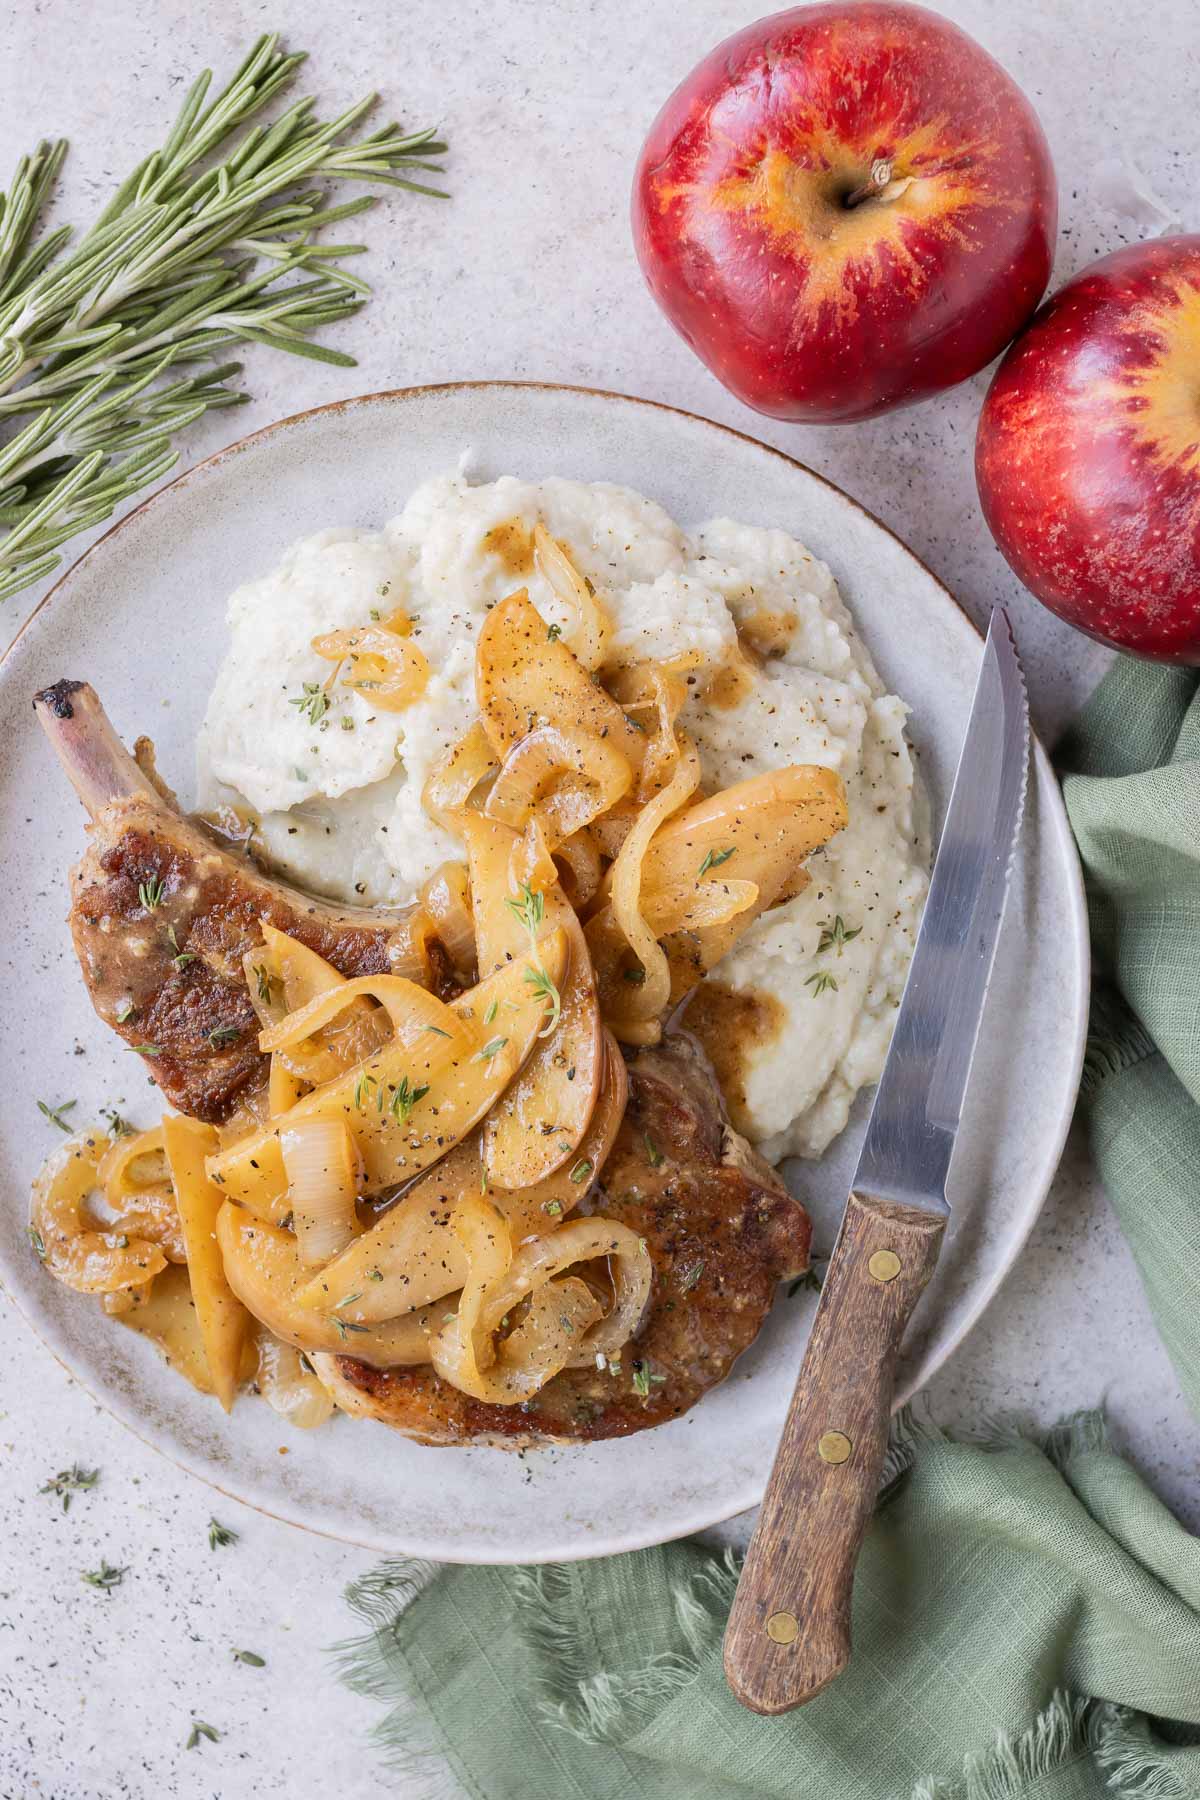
(562, 777)
(388, 670)
(647, 999)
(322, 1175)
(464, 1351)
(446, 901)
(412, 1010)
(65, 1235)
(455, 776)
(285, 976)
(288, 1384)
(589, 636)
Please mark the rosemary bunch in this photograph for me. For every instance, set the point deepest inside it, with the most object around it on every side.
(208, 243)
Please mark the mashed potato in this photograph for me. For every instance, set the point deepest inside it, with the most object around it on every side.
(339, 796)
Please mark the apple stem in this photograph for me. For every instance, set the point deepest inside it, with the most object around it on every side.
(880, 177)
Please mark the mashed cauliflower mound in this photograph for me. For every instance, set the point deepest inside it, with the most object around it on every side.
(340, 801)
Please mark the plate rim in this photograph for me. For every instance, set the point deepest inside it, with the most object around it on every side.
(1052, 814)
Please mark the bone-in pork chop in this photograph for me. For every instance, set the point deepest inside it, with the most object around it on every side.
(162, 914)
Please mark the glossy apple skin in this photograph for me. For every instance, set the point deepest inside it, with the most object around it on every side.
(1088, 451)
(808, 309)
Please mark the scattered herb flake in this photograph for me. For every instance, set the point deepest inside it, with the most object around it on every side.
(38, 1242)
(313, 703)
(582, 1169)
(491, 1012)
(221, 1035)
(347, 722)
(553, 1207)
(251, 1658)
(553, 633)
(124, 1012)
(635, 977)
(117, 1126)
(404, 1098)
(492, 1048)
(715, 858)
(264, 981)
(201, 1730)
(348, 1300)
(150, 892)
(691, 1275)
(55, 1113)
(146, 1049)
(70, 1481)
(644, 1380)
(657, 1159)
(105, 1577)
(835, 934)
(820, 982)
(220, 1535)
(437, 1031)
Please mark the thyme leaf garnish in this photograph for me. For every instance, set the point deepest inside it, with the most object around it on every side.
(74, 1480)
(714, 859)
(55, 1113)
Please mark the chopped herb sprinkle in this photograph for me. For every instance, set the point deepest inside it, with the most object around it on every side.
(150, 892)
(582, 1169)
(124, 1012)
(201, 1730)
(715, 858)
(821, 982)
(313, 703)
(657, 1159)
(492, 1048)
(106, 1577)
(70, 1481)
(835, 934)
(55, 1113)
(221, 1035)
(251, 1658)
(220, 1535)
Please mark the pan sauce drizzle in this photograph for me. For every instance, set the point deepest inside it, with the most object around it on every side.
(735, 1027)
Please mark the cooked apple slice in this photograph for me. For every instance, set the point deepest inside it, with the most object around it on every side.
(222, 1319)
(543, 1116)
(263, 1267)
(418, 1096)
(524, 678)
(411, 1256)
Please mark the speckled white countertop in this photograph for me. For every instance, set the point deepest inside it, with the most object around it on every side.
(527, 272)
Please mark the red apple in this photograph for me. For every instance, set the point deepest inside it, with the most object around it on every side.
(846, 208)
(1088, 454)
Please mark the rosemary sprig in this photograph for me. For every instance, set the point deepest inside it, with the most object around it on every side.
(210, 241)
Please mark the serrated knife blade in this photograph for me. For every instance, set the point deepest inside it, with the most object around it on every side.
(918, 1103)
(788, 1634)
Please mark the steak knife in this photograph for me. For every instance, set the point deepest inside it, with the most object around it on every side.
(788, 1635)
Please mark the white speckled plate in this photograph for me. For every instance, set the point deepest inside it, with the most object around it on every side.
(141, 616)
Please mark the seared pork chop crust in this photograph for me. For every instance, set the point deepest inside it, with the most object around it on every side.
(722, 1231)
(161, 918)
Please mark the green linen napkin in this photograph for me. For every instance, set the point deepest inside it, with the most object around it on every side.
(1026, 1617)
(998, 1585)
(1131, 778)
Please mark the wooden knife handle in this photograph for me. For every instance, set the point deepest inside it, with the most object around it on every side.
(789, 1631)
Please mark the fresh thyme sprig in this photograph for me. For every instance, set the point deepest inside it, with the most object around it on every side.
(530, 911)
(209, 242)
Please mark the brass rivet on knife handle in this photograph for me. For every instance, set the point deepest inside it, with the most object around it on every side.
(885, 1265)
(783, 1628)
(825, 1482)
